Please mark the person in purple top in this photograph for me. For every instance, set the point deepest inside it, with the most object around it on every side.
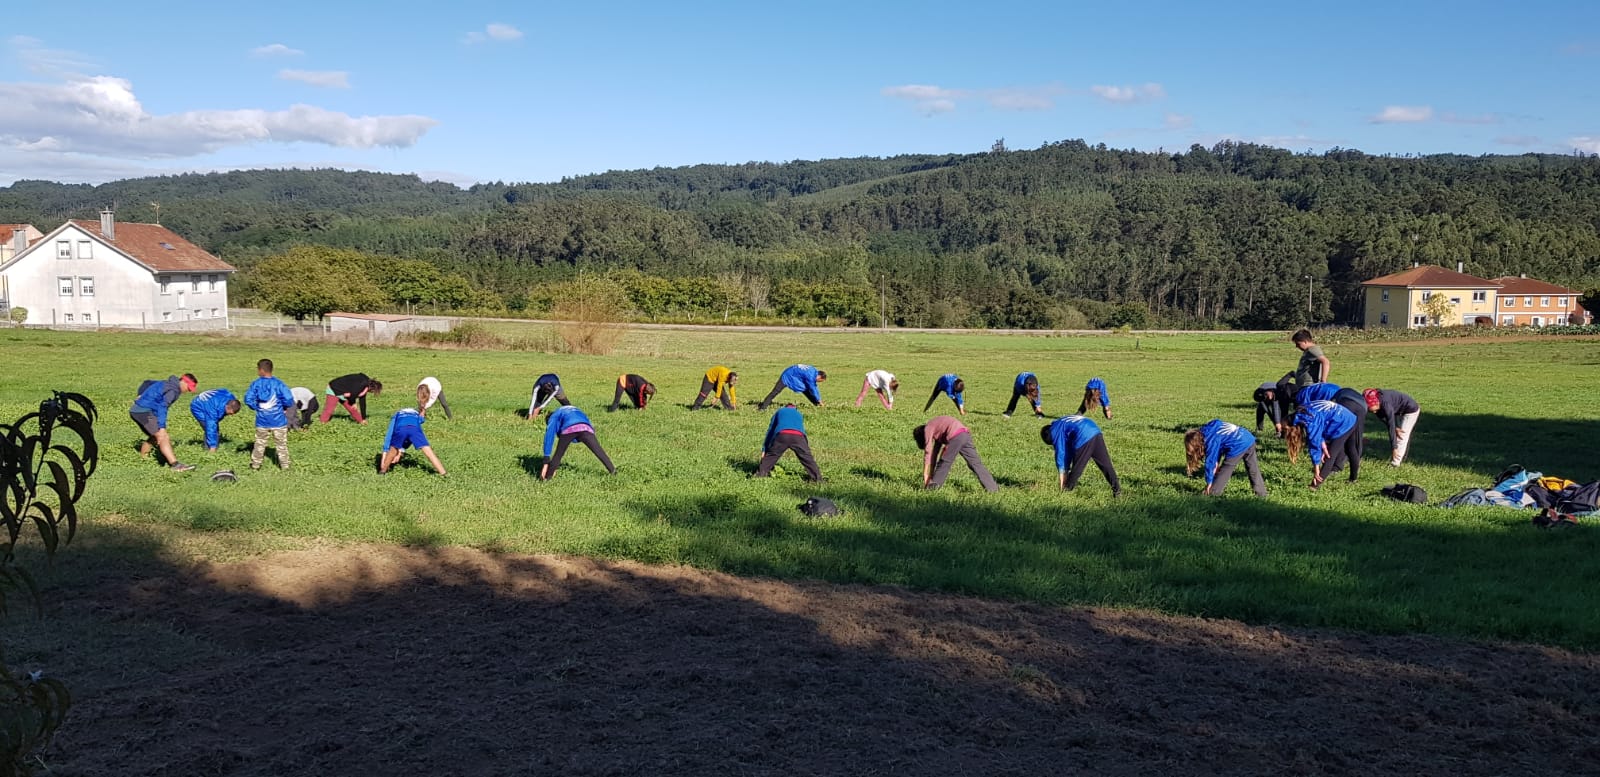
(942, 439)
(1217, 449)
(565, 425)
(1325, 429)
(801, 379)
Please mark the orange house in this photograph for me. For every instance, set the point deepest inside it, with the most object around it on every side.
(1523, 301)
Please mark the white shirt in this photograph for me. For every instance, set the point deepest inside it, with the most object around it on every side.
(879, 380)
(302, 397)
(434, 390)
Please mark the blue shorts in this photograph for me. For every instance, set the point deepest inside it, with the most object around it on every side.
(408, 437)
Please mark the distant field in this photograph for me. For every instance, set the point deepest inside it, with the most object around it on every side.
(1341, 557)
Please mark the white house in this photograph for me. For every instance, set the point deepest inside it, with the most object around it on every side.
(88, 274)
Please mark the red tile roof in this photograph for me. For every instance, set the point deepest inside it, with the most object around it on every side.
(1515, 285)
(7, 231)
(1431, 276)
(158, 248)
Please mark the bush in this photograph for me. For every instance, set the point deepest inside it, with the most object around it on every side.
(19, 316)
(466, 335)
(588, 311)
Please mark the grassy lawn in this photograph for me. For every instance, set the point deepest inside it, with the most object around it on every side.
(1342, 557)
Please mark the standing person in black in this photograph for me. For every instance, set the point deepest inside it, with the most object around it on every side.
(350, 392)
(638, 390)
(1275, 401)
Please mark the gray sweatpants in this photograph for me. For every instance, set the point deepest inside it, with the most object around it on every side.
(1252, 465)
(961, 445)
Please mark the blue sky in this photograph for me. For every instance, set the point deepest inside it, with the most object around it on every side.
(480, 91)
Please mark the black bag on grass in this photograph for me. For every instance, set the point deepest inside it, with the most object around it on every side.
(1579, 500)
(1405, 492)
(818, 507)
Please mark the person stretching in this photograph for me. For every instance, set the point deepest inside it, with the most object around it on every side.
(349, 392)
(149, 411)
(435, 395)
(1399, 412)
(1316, 392)
(1217, 449)
(1025, 385)
(787, 432)
(952, 385)
(719, 381)
(1077, 440)
(801, 379)
(305, 407)
(546, 389)
(566, 424)
(1096, 393)
(1325, 429)
(405, 431)
(943, 438)
(1275, 401)
(1350, 399)
(884, 384)
(638, 390)
(209, 408)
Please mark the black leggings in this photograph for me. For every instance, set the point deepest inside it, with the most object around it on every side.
(802, 451)
(587, 438)
(1016, 394)
(706, 387)
(1095, 449)
(1356, 445)
(1347, 447)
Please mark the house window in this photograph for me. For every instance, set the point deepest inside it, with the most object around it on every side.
(214, 313)
(1538, 321)
(66, 286)
(1527, 302)
(86, 287)
(1385, 295)
(1480, 296)
(1508, 321)
(213, 280)
(166, 285)
(166, 315)
(67, 317)
(1427, 295)
(1561, 302)
(1544, 302)
(1508, 302)
(1455, 300)
(1419, 320)
(85, 249)
(63, 249)
(1383, 318)
(88, 318)
(194, 282)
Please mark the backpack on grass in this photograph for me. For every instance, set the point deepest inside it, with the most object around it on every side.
(818, 507)
(1406, 492)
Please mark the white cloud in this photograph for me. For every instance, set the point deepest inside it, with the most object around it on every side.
(1522, 141)
(1403, 114)
(1129, 94)
(494, 31)
(100, 115)
(938, 99)
(1586, 143)
(275, 50)
(328, 79)
(55, 63)
(1176, 121)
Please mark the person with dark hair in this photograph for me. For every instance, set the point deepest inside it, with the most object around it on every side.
(545, 390)
(209, 408)
(1399, 412)
(1026, 384)
(1096, 393)
(350, 392)
(566, 424)
(1316, 392)
(943, 438)
(305, 407)
(1077, 440)
(270, 398)
(405, 431)
(149, 411)
(1325, 429)
(636, 388)
(719, 382)
(1275, 401)
(953, 386)
(787, 432)
(435, 396)
(884, 384)
(1314, 367)
(1217, 449)
(802, 379)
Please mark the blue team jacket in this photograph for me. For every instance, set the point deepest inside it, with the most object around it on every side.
(947, 384)
(802, 378)
(209, 408)
(268, 397)
(562, 419)
(1223, 440)
(1105, 393)
(787, 419)
(155, 396)
(1316, 392)
(1324, 422)
(1068, 434)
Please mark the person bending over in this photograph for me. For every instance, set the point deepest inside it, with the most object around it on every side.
(1217, 449)
(719, 382)
(1275, 401)
(305, 407)
(149, 411)
(787, 432)
(566, 424)
(349, 392)
(942, 439)
(1077, 441)
(1096, 393)
(1026, 384)
(1399, 412)
(949, 384)
(1325, 429)
(435, 395)
(546, 389)
(405, 431)
(801, 379)
(884, 384)
(636, 388)
(209, 408)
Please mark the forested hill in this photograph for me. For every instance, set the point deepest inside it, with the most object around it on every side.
(1066, 234)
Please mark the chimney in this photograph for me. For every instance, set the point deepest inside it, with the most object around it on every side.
(1524, 275)
(1415, 265)
(19, 240)
(1461, 267)
(108, 224)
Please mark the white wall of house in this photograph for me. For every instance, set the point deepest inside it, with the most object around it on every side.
(74, 279)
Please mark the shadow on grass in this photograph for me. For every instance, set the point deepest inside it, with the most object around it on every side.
(1487, 443)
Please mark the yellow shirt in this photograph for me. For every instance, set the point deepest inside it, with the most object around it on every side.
(718, 376)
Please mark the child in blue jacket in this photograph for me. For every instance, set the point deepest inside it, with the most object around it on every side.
(1096, 393)
(1217, 449)
(209, 408)
(271, 400)
(801, 379)
(787, 432)
(953, 386)
(1025, 385)
(566, 424)
(405, 431)
(1077, 440)
(1327, 430)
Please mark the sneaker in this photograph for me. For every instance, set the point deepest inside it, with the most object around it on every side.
(1006, 416)
(255, 467)
(182, 467)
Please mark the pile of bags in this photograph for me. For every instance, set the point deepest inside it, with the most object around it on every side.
(1560, 502)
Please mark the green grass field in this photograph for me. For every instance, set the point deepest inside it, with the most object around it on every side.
(1342, 557)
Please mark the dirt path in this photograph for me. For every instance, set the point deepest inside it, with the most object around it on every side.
(380, 660)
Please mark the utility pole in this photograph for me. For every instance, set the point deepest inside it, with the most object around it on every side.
(1310, 285)
(883, 300)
